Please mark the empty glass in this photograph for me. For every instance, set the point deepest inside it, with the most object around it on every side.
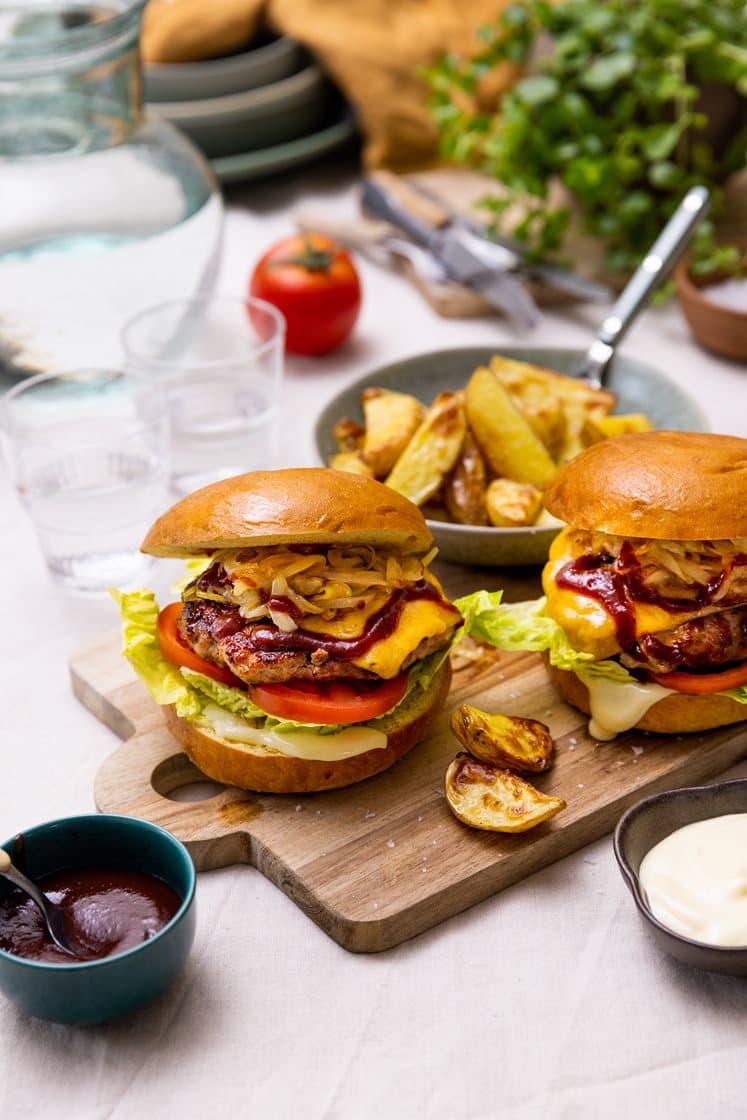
(88, 452)
(220, 361)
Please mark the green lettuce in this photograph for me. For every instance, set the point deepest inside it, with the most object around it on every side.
(526, 626)
(192, 693)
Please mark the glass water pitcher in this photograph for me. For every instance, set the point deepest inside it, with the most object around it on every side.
(103, 210)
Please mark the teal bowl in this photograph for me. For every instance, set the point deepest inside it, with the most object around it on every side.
(99, 990)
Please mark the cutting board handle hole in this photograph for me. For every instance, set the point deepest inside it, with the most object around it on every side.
(178, 779)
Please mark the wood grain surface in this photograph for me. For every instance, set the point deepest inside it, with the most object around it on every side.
(380, 862)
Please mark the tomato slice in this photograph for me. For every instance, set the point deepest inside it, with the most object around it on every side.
(331, 701)
(175, 649)
(699, 683)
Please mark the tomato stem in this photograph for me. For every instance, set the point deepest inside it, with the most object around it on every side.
(312, 259)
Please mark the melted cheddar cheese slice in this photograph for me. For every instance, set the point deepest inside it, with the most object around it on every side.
(419, 619)
(589, 627)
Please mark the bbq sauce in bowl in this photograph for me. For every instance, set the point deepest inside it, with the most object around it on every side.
(107, 911)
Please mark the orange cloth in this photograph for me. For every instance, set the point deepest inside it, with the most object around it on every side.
(189, 30)
(372, 49)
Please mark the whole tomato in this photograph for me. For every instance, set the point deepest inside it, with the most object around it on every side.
(314, 282)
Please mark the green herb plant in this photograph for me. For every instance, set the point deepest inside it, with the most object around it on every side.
(612, 107)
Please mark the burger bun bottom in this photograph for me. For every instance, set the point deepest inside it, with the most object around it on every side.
(266, 771)
(675, 714)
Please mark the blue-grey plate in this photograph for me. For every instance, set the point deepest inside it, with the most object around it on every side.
(639, 388)
(282, 157)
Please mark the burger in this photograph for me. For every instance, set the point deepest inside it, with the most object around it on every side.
(644, 615)
(309, 646)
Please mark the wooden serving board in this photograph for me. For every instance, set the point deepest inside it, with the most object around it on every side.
(379, 862)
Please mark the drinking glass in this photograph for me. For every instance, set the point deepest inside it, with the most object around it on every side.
(220, 362)
(88, 453)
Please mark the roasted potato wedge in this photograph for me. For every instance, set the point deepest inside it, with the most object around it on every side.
(486, 797)
(349, 434)
(547, 520)
(519, 376)
(603, 427)
(432, 452)
(510, 504)
(507, 741)
(466, 486)
(350, 461)
(391, 420)
(504, 435)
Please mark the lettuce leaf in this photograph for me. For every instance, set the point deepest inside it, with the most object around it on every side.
(526, 626)
(192, 692)
(518, 626)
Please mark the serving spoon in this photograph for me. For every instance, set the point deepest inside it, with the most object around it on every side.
(653, 269)
(53, 915)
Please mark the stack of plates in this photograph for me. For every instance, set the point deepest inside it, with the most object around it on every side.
(253, 113)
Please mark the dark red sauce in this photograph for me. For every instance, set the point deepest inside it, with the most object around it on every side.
(618, 585)
(380, 625)
(284, 605)
(107, 910)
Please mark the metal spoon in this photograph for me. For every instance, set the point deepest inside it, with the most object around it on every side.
(656, 265)
(51, 912)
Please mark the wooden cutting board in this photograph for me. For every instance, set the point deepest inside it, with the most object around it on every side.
(382, 861)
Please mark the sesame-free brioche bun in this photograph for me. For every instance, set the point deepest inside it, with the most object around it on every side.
(657, 485)
(304, 505)
(675, 714)
(266, 771)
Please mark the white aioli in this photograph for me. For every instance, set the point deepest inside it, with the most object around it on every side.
(346, 743)
(617, 706)
(695, 880)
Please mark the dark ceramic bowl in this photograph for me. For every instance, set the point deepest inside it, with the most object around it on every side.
(650, 821)
(639, 388)
(99, 990)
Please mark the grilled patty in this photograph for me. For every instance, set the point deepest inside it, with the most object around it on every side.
(218, 633)
(702, 643)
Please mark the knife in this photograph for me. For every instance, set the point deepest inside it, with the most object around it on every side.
(461, 259)
(555, 276)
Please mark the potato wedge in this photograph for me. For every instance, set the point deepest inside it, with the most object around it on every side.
(431, 453)
(503, 433)
(466, 486)
(511, 504)
(494, 800)
(519, 376)
(547, 520)
(608, 426)
(350, 461)
(349, 434)
(391, 420)
(507, 741)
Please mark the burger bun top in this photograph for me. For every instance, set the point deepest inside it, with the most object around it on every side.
(658, 485)
(305, 505)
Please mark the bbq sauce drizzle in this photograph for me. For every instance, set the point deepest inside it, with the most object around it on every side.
(265, 637)
(618, 584)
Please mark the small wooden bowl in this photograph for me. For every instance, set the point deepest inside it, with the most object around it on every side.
(718, 328)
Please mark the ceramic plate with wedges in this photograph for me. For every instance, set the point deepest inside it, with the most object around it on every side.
(638, 387)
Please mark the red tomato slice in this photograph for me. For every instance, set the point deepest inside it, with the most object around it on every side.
(697, 683)
(330, 702)
(174, 648)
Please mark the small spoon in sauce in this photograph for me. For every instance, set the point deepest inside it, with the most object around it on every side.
(52, 914)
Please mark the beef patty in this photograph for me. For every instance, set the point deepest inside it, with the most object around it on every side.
(702, 643)
(218, 633)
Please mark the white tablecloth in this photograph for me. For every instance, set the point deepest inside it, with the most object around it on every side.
(548, 1000)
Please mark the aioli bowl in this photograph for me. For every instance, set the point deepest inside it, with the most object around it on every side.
(96, 991)
(651, 820)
